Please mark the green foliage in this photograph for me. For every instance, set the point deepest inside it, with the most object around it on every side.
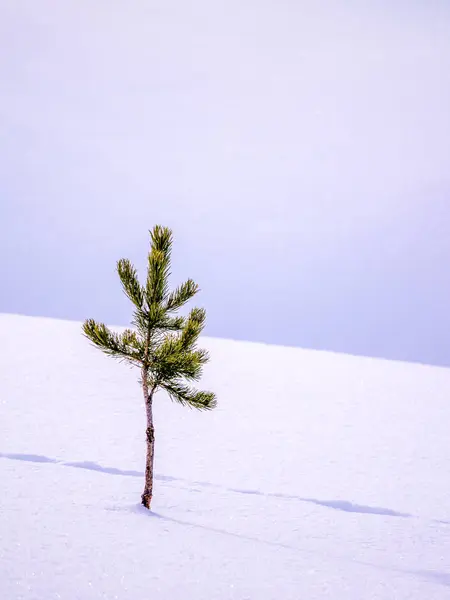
(162, 343)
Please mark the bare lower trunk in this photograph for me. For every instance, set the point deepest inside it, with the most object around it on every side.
(150, 435)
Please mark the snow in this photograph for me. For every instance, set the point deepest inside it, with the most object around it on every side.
(319, 476)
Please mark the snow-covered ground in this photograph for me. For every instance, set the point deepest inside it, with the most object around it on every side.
(318, 476)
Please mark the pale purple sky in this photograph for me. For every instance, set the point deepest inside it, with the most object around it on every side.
(299, 149)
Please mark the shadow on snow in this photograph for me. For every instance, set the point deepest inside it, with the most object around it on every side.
(341, 505)
(436, 577)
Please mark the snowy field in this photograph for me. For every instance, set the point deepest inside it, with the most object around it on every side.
(319, 476)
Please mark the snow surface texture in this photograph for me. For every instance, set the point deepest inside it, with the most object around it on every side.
(318, 476)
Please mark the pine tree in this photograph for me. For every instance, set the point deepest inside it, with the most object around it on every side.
(162, 344)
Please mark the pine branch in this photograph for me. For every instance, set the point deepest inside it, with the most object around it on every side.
(187, 396)
(130, 282)
(157, 287)
(159, 258)
(181, 295)
(162, 239)
(170, 361)
(158, 320)
(122, 346)
(193, 327)
(131, 343)
(173, 323)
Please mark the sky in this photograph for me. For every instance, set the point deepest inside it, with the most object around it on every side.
(299, 150)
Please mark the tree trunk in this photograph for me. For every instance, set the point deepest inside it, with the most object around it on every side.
(150, 435)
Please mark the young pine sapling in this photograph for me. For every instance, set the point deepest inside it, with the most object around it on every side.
(162, 344)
